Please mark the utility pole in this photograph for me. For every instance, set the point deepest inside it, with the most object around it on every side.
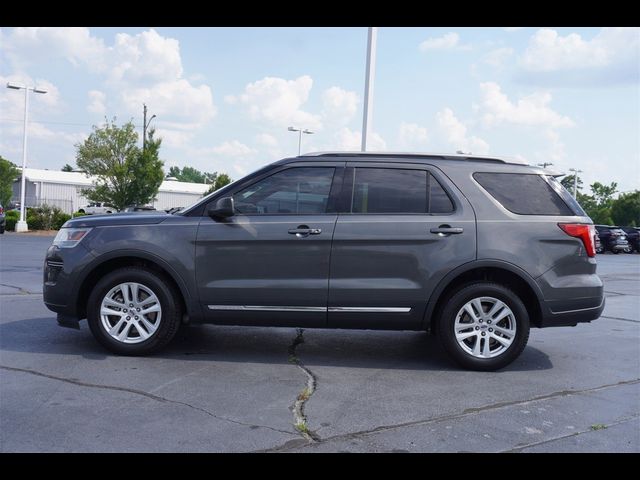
(368, 85)
(145, 125)
(575, 181)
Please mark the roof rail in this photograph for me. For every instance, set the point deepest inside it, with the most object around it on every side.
(438, 156)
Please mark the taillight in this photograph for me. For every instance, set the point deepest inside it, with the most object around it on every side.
(584, 232)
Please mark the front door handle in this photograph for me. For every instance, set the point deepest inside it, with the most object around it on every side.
(444, 230)
(304, 231)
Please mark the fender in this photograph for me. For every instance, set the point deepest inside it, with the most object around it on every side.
(485, 263)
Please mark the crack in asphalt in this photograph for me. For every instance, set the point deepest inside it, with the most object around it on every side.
(569, 435)
(299, 417)
(455, 416)
(619, 318)
(21, 290)
(142, 394)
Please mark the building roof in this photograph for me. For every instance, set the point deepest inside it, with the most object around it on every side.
(81, 179)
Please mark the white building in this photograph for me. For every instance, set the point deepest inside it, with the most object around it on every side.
(64, 190)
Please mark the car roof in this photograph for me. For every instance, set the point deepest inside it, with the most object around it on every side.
(372, 156)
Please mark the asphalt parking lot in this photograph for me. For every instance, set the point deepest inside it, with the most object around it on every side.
(231, 389)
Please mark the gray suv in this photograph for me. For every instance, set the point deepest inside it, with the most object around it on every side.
(474, 250)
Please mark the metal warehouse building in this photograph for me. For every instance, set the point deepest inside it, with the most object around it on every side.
(64, 190)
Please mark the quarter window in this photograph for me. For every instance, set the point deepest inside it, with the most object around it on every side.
(292, 191)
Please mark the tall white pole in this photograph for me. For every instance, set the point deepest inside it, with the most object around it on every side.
(368, 86)
(21, 225)
(299, 140)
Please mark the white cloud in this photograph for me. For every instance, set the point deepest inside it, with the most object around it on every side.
(498, 57)
(447, 41)
(612, 56)
(512, 29)
(278, 102)
(267, 140)
(532, 109)
(412, 135)
(455, 133)
(96, 102)
(232, 148)
(350, 140)
(339, 105)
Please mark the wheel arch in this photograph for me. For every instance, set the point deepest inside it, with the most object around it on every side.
(497, 271)
(118, 259)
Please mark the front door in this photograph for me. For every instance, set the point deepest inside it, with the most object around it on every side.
(269, 263)
(404, 227)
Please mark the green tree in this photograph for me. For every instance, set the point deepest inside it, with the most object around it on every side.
(190, 174)
(603, 193)
(67, 168)
(8, 174)
(598, 204)
(625, 210)
(125, 175)
(567, 182)
(221, 180)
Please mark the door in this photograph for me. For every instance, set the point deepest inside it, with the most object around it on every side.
(269, 263)
(404, 228)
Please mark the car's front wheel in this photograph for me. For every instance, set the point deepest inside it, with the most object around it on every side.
(134, 311)
(484, 326)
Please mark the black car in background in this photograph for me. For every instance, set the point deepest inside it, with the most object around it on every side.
(613, 239)
(633, 237)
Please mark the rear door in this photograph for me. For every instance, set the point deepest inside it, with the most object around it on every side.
(402, 227)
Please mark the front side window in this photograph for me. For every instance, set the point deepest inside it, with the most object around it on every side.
(394, 190)
(299, 190)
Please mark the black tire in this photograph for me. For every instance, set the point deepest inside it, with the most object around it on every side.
(81, 210)
(169, 302)
(446, 325)
(615, 251)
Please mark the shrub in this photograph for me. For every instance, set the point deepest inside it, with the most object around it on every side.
(11, 218)
(43, 217)
(78, 214)
(59, 219)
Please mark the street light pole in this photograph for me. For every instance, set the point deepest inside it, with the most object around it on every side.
(21, 225)
(300, 132)
(145, 124)
(368, 85)
(575, 181)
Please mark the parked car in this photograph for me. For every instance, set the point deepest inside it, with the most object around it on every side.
(633, 237)
(613, 239)
(96, 208)
(474, 250)
(2, 220)
(599, 247)
(139, 208)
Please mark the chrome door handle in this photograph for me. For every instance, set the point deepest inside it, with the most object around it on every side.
(303, 231)
(447, 230)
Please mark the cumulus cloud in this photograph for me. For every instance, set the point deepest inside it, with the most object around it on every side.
(498, 57)
(278, 102)
(610, 57)
(339, 105)
(532, 109)
(412, 136)
(232, 148)
(96, 102)
(455, 133)
(350, 140)
(448, 41)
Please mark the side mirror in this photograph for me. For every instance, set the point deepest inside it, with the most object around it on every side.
(223, 208)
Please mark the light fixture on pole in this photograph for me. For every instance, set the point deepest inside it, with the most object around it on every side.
(575, 181)
(21, 225)
(145, 125)
(300, 132)
(545, 164)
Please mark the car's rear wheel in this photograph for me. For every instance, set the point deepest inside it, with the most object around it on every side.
(134, 311)
(484, 326)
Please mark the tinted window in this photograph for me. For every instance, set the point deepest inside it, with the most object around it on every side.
(523, 194)
(386, 190)
(295, 190)
(439, 201)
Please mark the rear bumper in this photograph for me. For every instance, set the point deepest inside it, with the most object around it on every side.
(570, 318)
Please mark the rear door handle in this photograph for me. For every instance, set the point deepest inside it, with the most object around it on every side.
(447, 230)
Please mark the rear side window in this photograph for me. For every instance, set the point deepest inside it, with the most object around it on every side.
(394, 190)
(524, 194)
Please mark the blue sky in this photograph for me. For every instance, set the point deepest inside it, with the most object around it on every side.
(225, 96)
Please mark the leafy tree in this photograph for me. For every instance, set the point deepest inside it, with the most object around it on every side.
(125, 174)
(67, 168)
(8, 173)
(626, 209)
(221, 180)
(598, 204)
(190, 174)
(603, 193)
(567, 182)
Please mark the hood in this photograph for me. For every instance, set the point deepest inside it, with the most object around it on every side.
(136, 218)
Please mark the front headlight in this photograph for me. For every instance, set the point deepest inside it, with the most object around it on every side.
(70, 237)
